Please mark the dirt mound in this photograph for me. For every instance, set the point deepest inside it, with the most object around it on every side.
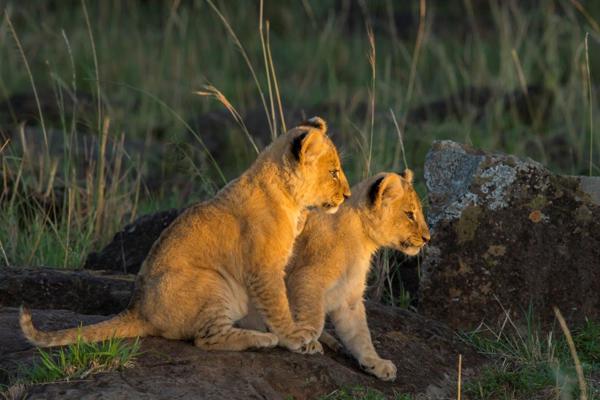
(424, 351)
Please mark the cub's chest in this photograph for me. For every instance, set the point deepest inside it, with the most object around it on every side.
(349, 287)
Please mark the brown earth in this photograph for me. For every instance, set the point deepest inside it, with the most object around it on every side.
(424, 351)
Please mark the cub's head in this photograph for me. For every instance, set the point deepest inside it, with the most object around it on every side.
(313, 166)
(392, 211)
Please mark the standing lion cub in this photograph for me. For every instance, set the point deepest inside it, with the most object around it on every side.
(332, 257)
(218, 255)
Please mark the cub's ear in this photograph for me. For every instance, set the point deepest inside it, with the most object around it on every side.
(408, 175)
(307, 146)
(316, 123)
(385, 189)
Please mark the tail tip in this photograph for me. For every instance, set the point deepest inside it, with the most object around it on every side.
(27, 324)
(24, 312)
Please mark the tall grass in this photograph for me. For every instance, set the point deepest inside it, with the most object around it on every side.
(123, 79)
(531, 362)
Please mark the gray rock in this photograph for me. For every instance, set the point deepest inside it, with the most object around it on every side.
(129, 247)
(591, 186)
(81, 291)
(507, 233)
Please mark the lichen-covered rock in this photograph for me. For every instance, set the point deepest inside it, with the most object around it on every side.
(507, 233)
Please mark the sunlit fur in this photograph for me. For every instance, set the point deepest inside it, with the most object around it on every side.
(219, 254)
(327, 275)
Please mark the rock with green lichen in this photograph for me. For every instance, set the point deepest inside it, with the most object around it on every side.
(508, 233)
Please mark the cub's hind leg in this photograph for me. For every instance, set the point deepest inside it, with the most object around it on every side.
(224, 336)
(214, 326)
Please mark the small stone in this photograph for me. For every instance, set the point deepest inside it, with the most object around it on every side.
(536, 216)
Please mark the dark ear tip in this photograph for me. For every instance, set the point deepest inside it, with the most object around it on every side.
(408, 174)
(297, 145)
(374, 190)
(317, 123)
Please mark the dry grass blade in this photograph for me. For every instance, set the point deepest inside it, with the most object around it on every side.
(459, 383)
(211, 91)
(238, 44)
(4, 145)
(580, 377)
(415, 57)
(589, 86)
(413, 70)
(101, 179)
(6, 262)
(267, 71)
(31, 80)
(275, 83)
(587, 15)
(372, 62)
(95, 57)
(400, 140)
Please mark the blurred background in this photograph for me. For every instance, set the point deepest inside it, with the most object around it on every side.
(114, 109)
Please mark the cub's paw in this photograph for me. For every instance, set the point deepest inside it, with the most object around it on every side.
(383, 369)
(298, 338)
(266, 340)
(312, 347)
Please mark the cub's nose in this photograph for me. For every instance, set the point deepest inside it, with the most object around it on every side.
(347, 194)
(426, 237)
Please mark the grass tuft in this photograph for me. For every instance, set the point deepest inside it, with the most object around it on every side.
(81, 359)
(528, 362)
(363, 393)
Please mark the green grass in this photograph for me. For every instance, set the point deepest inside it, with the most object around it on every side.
(79, 360)
(144, 90)
(386, 281)
(528, 362)
(362, 393)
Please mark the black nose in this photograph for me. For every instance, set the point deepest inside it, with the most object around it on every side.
(425, 238)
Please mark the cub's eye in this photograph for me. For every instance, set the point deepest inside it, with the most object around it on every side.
(335, 173)
(410, 215)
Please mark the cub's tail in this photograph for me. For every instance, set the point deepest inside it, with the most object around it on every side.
(124, 325)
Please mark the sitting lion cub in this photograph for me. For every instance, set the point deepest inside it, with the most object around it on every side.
(332, 256)
(201, 273)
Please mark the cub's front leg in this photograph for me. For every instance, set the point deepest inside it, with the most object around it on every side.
(268, 293)
(307, 299)
(350, 321)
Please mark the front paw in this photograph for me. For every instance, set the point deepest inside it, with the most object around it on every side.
(297, 338)
(267, 340)
(383, 369)
(312, 347)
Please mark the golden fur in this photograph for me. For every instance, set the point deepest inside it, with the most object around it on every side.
(220, 254)
(327, 275)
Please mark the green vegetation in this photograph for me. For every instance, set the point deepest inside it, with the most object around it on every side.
(362, 393)
(106, 110)
(79, 360)
(530, 364)
(115, 125)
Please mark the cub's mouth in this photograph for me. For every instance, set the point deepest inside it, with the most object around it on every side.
(330, 208)
(410, 249)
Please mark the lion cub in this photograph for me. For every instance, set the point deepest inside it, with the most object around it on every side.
(220, 254)
(328, 273)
